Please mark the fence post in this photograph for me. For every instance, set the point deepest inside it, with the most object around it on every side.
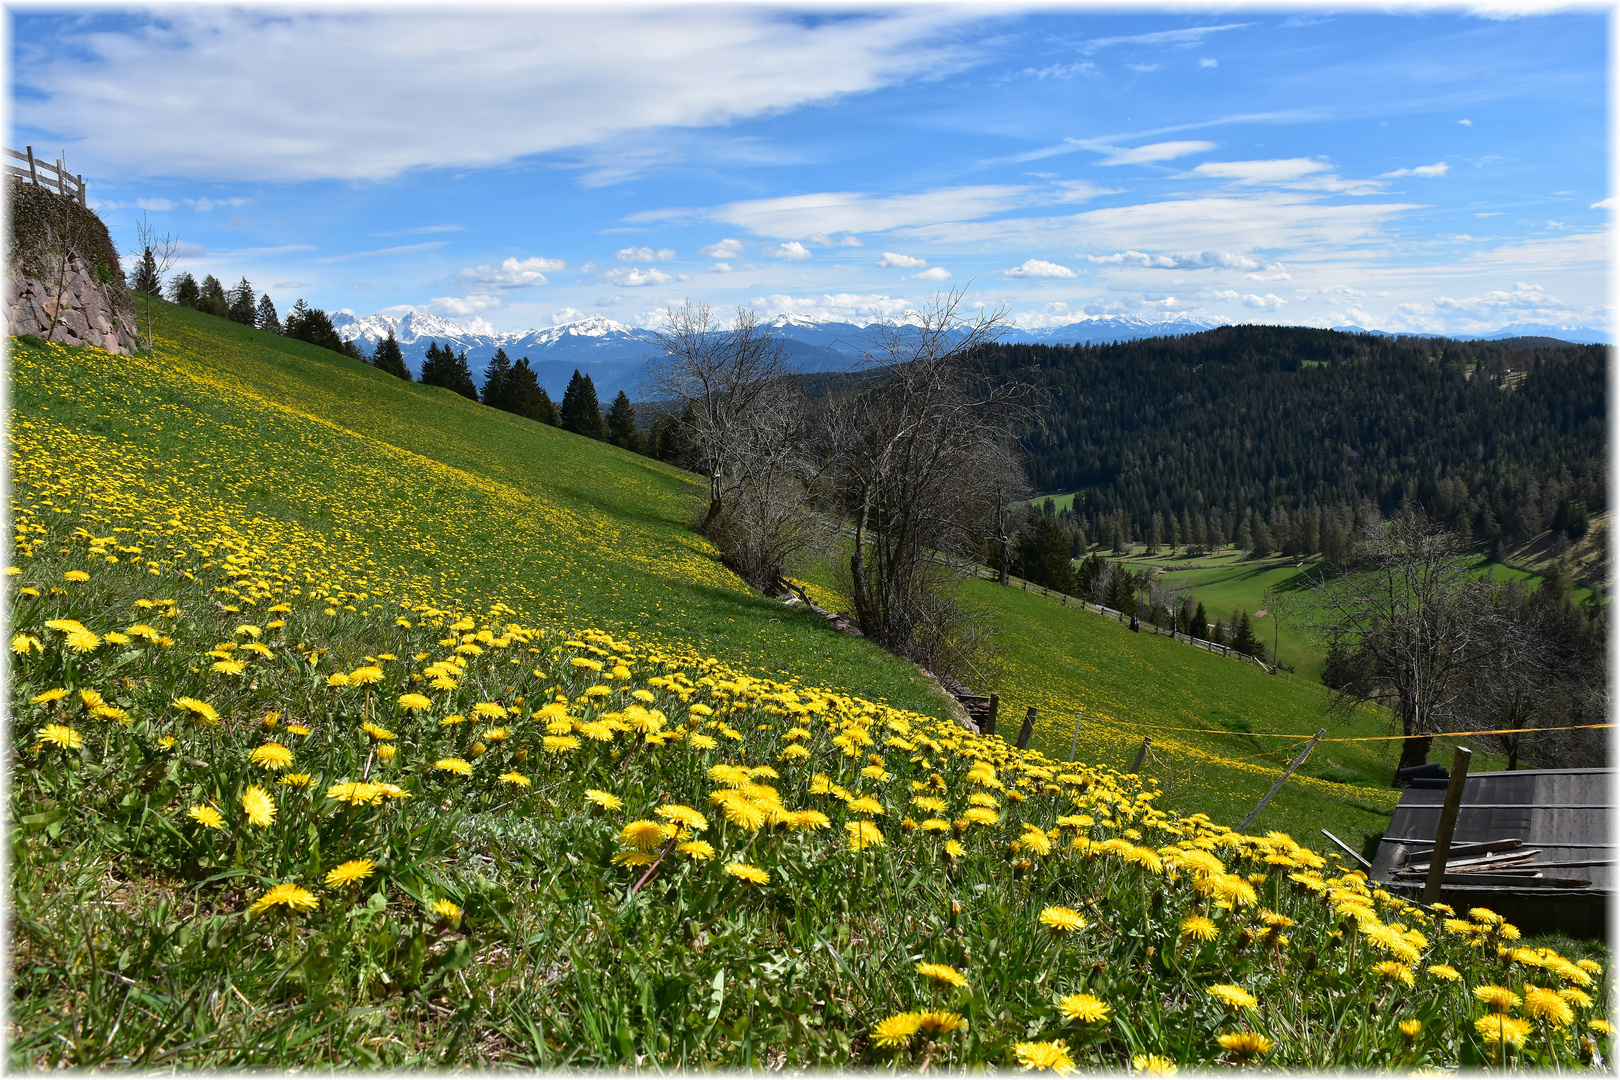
(83, 201)
(1283, 779)
(1448, 825)
(1029, 726)
(33, 173)
(1136, 766)
(1074, 745)
(990, 720)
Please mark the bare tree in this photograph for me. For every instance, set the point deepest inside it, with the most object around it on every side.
(65, 240)
(718, 379)
(154, 256)
(1406, 629)
(919, 459)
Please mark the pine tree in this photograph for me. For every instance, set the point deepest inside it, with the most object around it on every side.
(184, 290)
(523, 392)
(211, 298)
(266, 317)
(547, 412)
(244, 304)
(387, 357)
(621, 425)
(311, 324)
(143, 277)
(461, 380)
(580, 412)
(1199, 627)
(1243, 639)
(497, 382)
(432, 373)
(1043, 551)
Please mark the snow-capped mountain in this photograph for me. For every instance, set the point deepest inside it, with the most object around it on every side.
(614, 354)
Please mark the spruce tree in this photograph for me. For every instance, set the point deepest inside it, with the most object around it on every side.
(547, 412)
(580, 412)
(387, 357)
(1043, 551)
(1199, 627)
(266, 317)
(432, 373)
(185, 290)
(461, 380)
(1243, 639)
(621, 425)
(523, 391)
(212, 299)
(244, 304)
(498, 382)
(143, 276)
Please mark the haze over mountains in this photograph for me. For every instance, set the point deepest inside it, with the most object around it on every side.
(613, 353)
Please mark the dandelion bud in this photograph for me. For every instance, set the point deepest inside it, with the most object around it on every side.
(1309, 961)
(477, 749)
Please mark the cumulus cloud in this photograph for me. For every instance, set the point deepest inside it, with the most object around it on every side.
(1604, 204)
(512, 273)
(858, 308)
(790, 250)
(722, 249)
(1209, 62)
(417, 72)
(464, 305)
(933, 273)
(1439, 168)
(1161, 151)
(1038, 268)
(631, 277)
(1522, 298)
(644, 254)
(891, 258)
(720, 268)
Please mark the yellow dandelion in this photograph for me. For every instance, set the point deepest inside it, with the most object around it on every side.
(644, 835)
(60, 735)
(1233, 997)
(606, 800)
(1044, 1056)
(454, 765)
(83, 641)
(943, 973)
(381, 734)
(684, 816)
(1445, 971)
(1498, 999)
(701, 850)
(207, 817)
(258, 806)
(48, 696)
(748, 873)
(1394, 971)
(415, 702)
(350, 872)
(197, 710)
(272, 756)
(446, 910)
(1062, 920)
(1199, 928)
(1247, 1043)
(365, 676)
(863, 834)
(1498, 1027)
(560, 744)
(939, 1022)
(895, 1030)
(1543, 1004)
(75, 575)
(1410, 1028)
(288, 895)
(1154, 1065)
(1084, 1008)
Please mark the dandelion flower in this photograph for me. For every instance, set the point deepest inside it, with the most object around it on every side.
(747, 872)
(1153, 1065)
(896, 1029)
(1233, 997)
(381, 734)
(207, 817)
(60, 735)
(288, 895)
(1543, 1004)
(83, 641)
(75, 575)
(1198, 928)
(296, 780)
(48, 696)
(1394, 971)
(515, 778)
(1498, 999)
(1062, 920)
(863, 834)
(1246, 1043)
(1445, 971)
(560, 744)
(1410, 1028)
(272, 756)
(954, 849)
(1499, 1027)
(684, 815)
(1084, 1008)
(365, 676)
(700, 850)
(606, 800)
(1602, 1027)
(23, 644)
(454, 765)
(939, 1022)
(1044, 1056)
(197, 710)
(350, 872)
(643, 835)
(943, 973)
(415, 702)
(258, 806)
(445, 910)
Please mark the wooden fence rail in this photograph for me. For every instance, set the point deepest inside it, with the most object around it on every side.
(52, 176)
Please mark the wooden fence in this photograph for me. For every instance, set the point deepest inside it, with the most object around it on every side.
(46, 174)
(1066, 600)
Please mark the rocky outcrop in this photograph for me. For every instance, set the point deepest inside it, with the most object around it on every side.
(63, 280)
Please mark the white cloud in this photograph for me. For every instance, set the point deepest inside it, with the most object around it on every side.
(1080, 190)
(292, 285)
(790, 250)
(859, 308)
(1466, 123)
(723, 249)
(417, 73)
(853, 211)
(1209, 62)
(933, 273)
(720, 268)
(1038, 268)
(400, 249)
(156, 204)
(1143, 68)
(465, 305)
(851, 241)
(566, 315)
(890, 258)
(1604, 204)
(1277, 170)
(202, 206)
(631, 277)
(644, 254)
(510, 274)
(1162, 151)
(1198, 260)
(1439, 168)
(1184, 37)
(1268, 302)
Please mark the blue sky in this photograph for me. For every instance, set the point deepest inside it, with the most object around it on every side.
(1432, 171)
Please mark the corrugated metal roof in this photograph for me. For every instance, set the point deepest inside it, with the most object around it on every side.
(1564, 813)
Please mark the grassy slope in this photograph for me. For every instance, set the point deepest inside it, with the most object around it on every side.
(614, 525)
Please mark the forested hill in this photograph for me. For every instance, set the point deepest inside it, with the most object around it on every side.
(1500, 437)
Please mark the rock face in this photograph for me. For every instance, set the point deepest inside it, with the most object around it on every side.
(63, 280)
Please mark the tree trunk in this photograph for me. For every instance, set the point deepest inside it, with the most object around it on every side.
(714, 501)
(1415, 752)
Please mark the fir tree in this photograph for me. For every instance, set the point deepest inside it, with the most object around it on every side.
(461, 380)
(547, 412)
(498, 382)
(432, 373)
(185, 290)
(621, 425)
(244, 304)
(387, 357)
(143, 276)
(266, 317)
(311, 324)
(1199, 627)
(1043, 551)
(211, 298)
(523, 391)
(580, 412)
(1243, 639)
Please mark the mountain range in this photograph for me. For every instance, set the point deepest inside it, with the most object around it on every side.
(614, 354)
